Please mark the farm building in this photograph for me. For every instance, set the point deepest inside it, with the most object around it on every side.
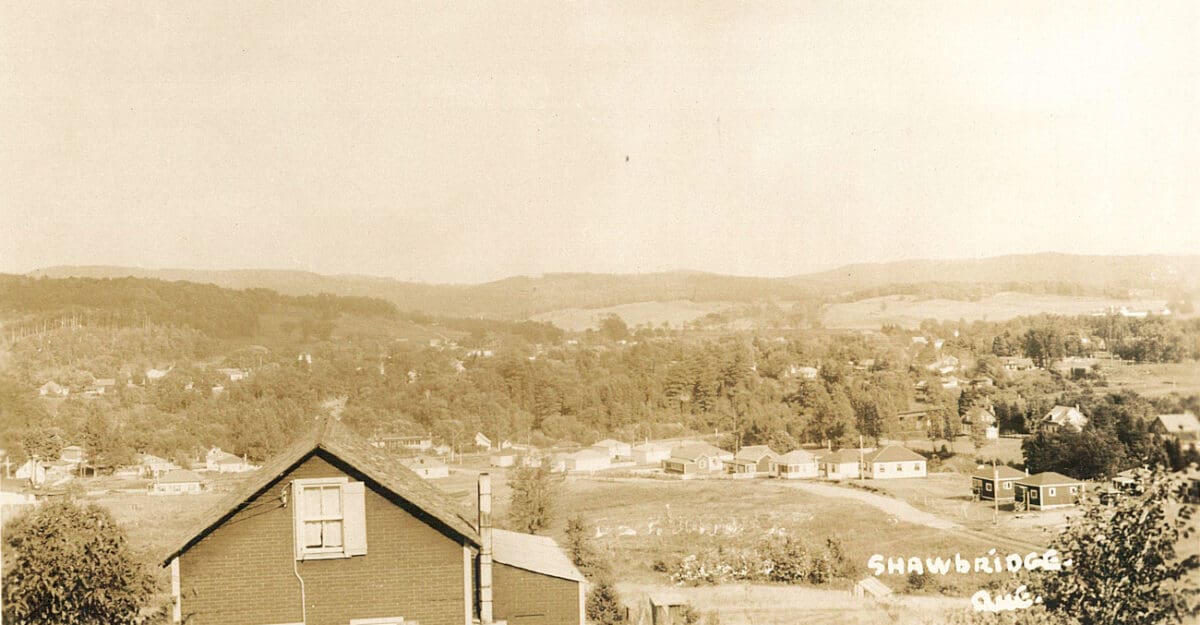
(426, 467)
(891, 462)
(178, 482)
(650, 453)
(614, 448)
(981, 419)
(795, 464)
(588, 460)
(842, 464)
(225, 462)
(372, 542)
(984, 483)
(1184, 428)
(695, 459)
(753, 460)
(1061, 417)
(1046, 490)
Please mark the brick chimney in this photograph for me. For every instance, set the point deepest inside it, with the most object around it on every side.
(485, 548)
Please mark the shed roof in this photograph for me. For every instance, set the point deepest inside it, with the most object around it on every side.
(539, 554)
(333, 441)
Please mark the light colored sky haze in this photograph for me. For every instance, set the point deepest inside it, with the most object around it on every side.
(473, 142)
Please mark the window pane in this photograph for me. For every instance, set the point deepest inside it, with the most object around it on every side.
(312, 534)
(331, 501)
(333, 533)
(310, 503)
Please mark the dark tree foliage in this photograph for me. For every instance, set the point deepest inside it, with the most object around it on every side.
(1125, 568)
(1086, 455)
(70, 565)
(534, 497)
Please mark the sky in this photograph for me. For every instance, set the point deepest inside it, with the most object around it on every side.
(466, 142)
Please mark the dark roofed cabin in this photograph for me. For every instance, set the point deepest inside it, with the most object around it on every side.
(336, 532)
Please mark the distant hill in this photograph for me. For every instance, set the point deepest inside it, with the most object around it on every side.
(522, 297)
(1157, 273)
(518, 297)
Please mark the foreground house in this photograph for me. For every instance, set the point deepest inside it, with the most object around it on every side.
(891, 462)
(996, 485)
(178, 482)
(754, 460)
(335, 531)
(1046, 490)
(795, 465)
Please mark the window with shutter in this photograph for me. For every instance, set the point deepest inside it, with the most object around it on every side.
(330, 518)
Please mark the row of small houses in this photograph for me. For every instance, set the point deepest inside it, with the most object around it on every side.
(889, 462)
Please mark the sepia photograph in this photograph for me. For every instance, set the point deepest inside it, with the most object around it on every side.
(583, 312)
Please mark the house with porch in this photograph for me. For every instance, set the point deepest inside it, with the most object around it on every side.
(753, 460)
(892, 462)
(795, 464)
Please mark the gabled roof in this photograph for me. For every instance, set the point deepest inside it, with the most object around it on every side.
(651, 447)
(798, 456)
(893, 453)
(179, 476)
(539, 554)
(693, 452)
(1066, 415)
(754, 453)
(333, 441)
(1006, 473)
(979, 414)
(843, 456)
(1048, 478)
(1179, 423)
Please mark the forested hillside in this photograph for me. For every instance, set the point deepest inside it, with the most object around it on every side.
(248, 376)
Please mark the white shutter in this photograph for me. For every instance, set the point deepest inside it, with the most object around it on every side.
(297, 520)
(354, 515)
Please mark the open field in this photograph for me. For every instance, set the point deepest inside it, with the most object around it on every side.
(908, 311)
(676, 313)
(763, 604)
(1004, 449)
(1153, 379)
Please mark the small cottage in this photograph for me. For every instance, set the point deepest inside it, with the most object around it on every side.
(614, 448)
(995, 485)
(753, 460)
(842, 464)
(980, 419)
(1183, 427)
(695, 459)
(892, 462)
(795, 465)
(178, 482)
(1046, 490)
(588, 460)
(651, 453)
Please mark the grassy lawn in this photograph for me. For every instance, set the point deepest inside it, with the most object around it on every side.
(1153, 379)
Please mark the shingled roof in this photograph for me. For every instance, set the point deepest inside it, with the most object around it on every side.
(333, 441)
(1006, 473)
(893, 453)
(1048, 478)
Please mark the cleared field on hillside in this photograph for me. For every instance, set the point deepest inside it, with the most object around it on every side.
(1153, 379)
(676, 313)
(908, 311)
